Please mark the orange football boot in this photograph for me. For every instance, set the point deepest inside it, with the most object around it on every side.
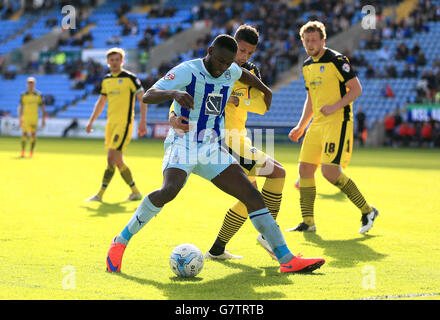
(114, 257)
(300, 264)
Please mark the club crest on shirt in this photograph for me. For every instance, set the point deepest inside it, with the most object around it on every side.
(213, 105)
(346, 67)
(321, 68)
(170, 76)
(228, 75)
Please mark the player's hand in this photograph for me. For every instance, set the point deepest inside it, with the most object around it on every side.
(329, 109)
(89, 127)
(296, 133)
(234, 100)
(142, 128)
(21, 123)
(184, 99)
(180, 124)
(268, 99)
(43, 123)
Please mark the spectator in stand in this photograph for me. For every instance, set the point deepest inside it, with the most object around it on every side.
(436, 134)
(361, 129)
(402, 134)
(384, 54)
(411, 133)
(426, 134)
(389, 124)
(409, 71)
(398, 120)
(402, 52)
(370, 73)
(387, 92)
(391, 71)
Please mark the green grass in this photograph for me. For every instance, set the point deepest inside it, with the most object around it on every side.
(53, 244)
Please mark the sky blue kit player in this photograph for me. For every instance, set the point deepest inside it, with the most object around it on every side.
(198, 150)
(200, 88)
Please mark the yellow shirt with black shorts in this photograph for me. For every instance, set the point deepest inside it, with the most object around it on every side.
(329, 139)
(239, 145)
(120, 90)
(30, 102)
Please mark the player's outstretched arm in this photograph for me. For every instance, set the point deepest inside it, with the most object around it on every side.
(99, 106)
(155, 96)
(250, 79)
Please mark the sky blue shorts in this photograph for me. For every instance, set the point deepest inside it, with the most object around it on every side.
(206, 160)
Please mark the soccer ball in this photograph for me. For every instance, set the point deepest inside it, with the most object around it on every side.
(186, 260)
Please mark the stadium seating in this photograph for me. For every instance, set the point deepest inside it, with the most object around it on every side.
(58, 85)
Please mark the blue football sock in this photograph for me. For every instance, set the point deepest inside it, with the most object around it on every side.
(267, 226)
(142, 215)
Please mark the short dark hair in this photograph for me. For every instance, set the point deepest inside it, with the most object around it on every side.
(225, 41)
(247, 33)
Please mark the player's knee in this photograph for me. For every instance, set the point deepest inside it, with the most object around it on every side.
(253, 199)
(278, 172)
(306, 170)
(331, 173)
(169, 192)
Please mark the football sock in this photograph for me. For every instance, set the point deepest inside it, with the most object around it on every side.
(126, 175)
(142, 215)
(23, 142)
(307, 195)
(348, 187)
(267, 226)
(272, 194)
(108, 175)
(33, 142)
(234, 219)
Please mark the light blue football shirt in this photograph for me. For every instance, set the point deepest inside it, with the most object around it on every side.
(210, 96)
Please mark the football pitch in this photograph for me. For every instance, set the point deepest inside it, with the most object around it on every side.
(53, 244)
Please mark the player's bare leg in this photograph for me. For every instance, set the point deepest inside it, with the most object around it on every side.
(236, 216)
(24, 138)
(173, 182)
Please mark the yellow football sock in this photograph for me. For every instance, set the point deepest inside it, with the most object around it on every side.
(126, 175)
(307, 192)
(272, 194)
(350, 189)
(108, 175)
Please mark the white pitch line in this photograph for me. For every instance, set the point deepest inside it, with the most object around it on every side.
(400, 296)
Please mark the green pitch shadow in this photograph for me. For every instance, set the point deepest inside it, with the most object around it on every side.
(105, 209)
(236, 286)
(346, 253)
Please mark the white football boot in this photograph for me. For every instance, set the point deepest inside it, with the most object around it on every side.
(263, 242)
(368, 220)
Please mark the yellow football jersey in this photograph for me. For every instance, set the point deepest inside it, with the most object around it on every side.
(30, 102)
(121, 90)
(325, 80)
